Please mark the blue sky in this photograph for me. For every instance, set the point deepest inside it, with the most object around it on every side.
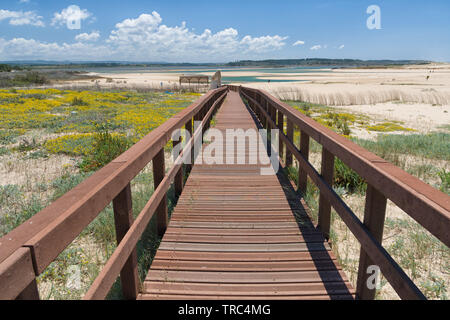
(222, 31)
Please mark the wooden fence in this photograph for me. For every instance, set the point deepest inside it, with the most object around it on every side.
(428, 206)
(27, 250)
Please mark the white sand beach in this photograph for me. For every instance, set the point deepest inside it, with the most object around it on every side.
(417, 95)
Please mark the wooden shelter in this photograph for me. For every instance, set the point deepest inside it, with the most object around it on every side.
(194, 78)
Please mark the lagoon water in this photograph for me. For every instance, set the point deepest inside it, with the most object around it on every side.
(283, 74)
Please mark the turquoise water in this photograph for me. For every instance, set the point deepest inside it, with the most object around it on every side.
(266, 74)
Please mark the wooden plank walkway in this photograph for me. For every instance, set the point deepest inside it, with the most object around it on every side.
(237, 234)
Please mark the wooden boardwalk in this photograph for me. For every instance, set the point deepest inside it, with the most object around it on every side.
(237, 234)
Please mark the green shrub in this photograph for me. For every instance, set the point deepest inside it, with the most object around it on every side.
(7, 137)
(345, 177)
(30, 78)
(445, 181)
(106, 147)
(5, 68)
(78, 102)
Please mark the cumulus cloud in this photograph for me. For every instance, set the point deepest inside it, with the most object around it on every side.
(20, 48)
(299, 43)
(156, 39)
(263, 44)
(20, 18)
(316, 47)
(70, 14)
(84, 37)
(146, 38)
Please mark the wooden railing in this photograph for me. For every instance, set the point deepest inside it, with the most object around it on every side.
(428, 206)
(27, 250)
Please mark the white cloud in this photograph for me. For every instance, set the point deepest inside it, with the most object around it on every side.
(146, 38)
(263, 44)
(69, 14)
(299, 43)
(24, 1)
(316, 47)
(341, 47)
(20, 18)
(20, 48)
(84, 37)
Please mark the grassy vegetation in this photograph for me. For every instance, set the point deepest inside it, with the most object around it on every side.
(24, 79)
(388, 127)
(5, 68)
(106, 147)
(344, 122)
(435, 145)
(86, 130)
(426, 156)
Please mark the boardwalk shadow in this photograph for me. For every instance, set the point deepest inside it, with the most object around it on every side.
(332, 280)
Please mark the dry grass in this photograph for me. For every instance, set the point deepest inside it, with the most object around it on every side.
(363, 97)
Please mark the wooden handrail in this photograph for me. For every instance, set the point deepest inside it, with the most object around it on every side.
(29, 249)
(425, 204)
(50, 231)
(108, 275)
(385, 181)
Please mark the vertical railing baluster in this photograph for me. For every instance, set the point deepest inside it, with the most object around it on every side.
(264, 119)
(324, 204)
(188, 128)
(159, 171)
(280, 124)
(290, 136)
(302, 175)
(123, 218)
(197, 118)
(374, 215)
(178, 180)
(31, 292)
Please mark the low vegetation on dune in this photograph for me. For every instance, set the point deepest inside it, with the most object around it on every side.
(50, 141)
(345, 123)
(424, 155)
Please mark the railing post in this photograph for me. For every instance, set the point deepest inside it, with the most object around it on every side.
(324, 205)
(280, 124)
(123, 218)
(31, 292)
(263, 118)
(178, 180)
(273, 114)
(374, 215)
(188, 128)
(304, 150)
(159, 172)
(290, 136)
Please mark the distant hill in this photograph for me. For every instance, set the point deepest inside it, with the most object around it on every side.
(318, 62)
(312, 62)
(101, 64)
